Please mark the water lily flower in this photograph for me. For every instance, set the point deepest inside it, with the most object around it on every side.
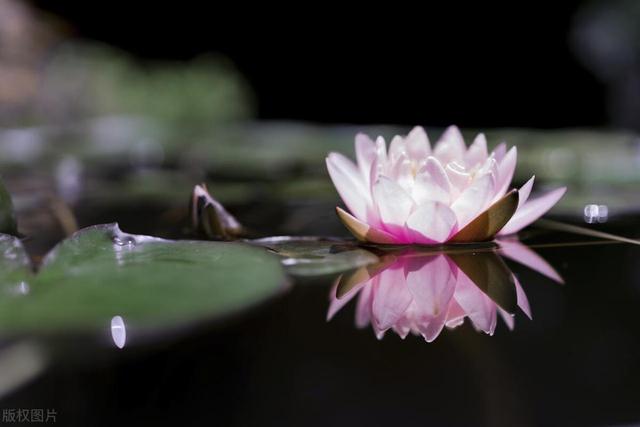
(413, 193)
(423, 293)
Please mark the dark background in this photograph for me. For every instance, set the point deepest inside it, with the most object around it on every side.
(468, 65)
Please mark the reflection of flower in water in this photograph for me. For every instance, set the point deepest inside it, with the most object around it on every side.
(424, 292)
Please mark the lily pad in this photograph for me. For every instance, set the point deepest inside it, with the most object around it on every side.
(314, 256)
(101, 272)
(14, 263)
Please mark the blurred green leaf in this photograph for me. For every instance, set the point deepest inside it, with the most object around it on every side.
(87, 79)
(7, 217)
(14, 263)
(156, 159)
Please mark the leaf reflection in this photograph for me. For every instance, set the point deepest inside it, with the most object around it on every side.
(423, 292)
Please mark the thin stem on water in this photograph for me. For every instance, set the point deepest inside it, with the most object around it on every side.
(576, 229)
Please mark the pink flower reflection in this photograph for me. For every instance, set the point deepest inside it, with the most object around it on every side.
(424, 292)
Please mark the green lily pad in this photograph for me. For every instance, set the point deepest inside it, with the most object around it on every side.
(100, 273)
(314, 256)
(14, 263)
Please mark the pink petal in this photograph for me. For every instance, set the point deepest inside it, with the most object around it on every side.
(365, 154)
(430, 281)
(476, 304)
(523, 301)
(431, 330)
(455, 315)
(473, 200)
(508, 318)
(450, 146)
(477, 152)
(525, 191)
(432, 222)
(532, 210)
(391, 297)
(500, 151)
(363, 308)
(432, 285)
(336, 304)
(403, 326)
(350, 185)
(520, 253)
(506, 167)
(394, 204)
(418, 146)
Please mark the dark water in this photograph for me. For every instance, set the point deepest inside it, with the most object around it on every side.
(575, 363)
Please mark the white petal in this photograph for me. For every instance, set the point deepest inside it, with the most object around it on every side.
(532, 210)
(432, 184)
(365, 154)
(490, 167)
(431, 223)
(506, 167)
(473, 200)
(377, 170)
(477, 152)
(396, 149)
(418, 146)
(458, 176)
(381, 153)
(450, 146)
(402, 173)
(394, 204)
(350, 185)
